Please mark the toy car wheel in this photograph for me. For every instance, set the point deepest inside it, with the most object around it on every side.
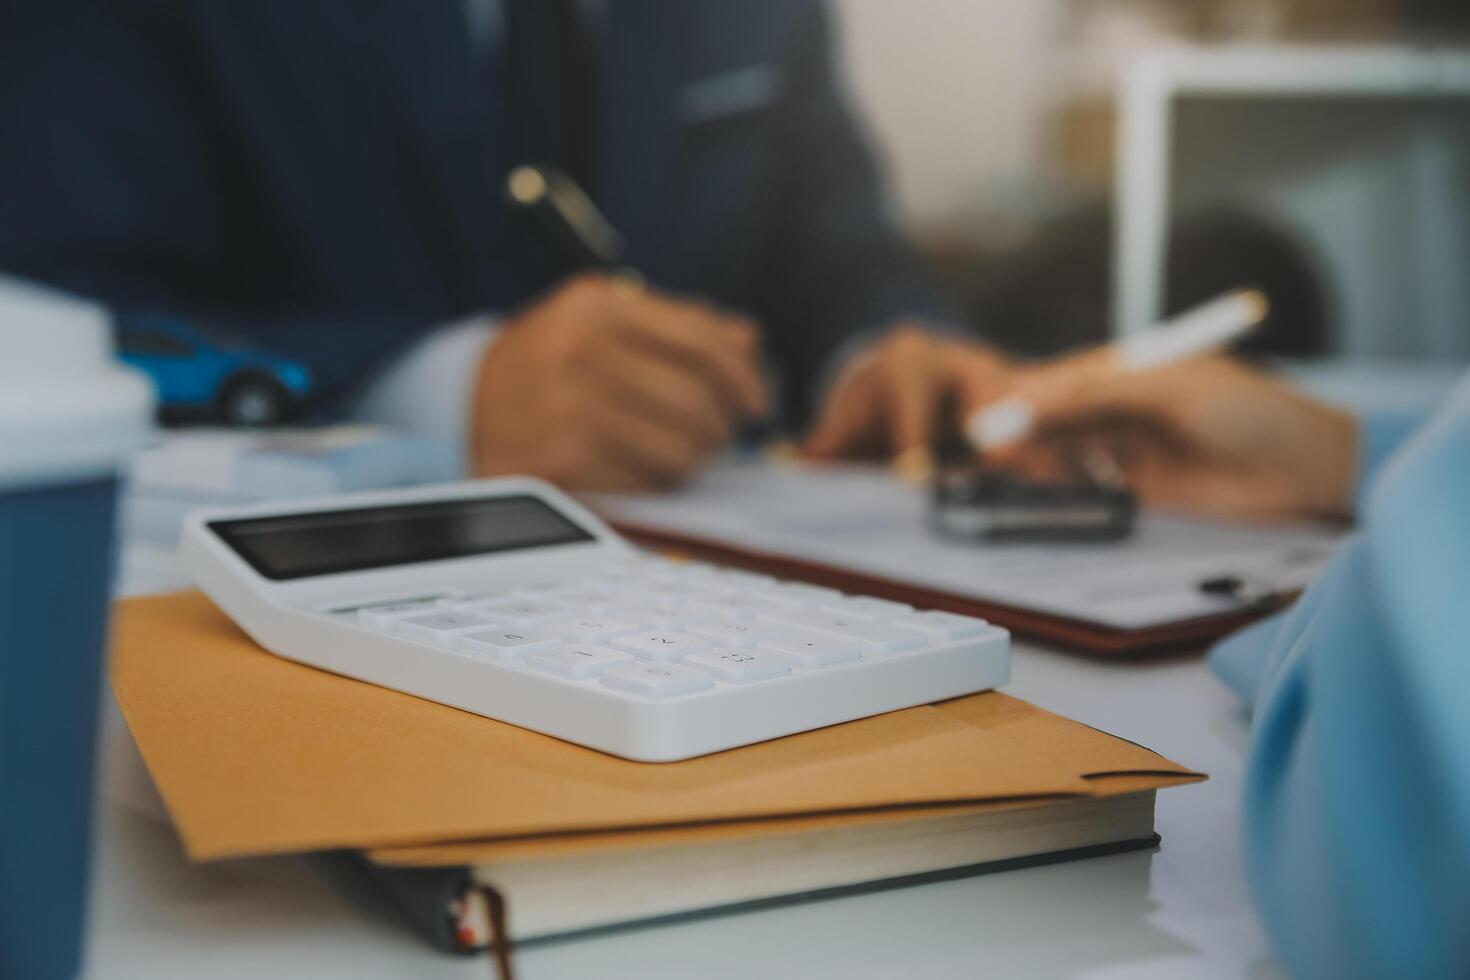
(254, 402)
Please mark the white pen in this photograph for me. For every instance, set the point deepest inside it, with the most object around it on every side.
(1196, 331)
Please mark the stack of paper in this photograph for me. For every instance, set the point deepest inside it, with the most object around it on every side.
(254, 754)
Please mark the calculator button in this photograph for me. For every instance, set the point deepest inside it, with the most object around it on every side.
(873, 634)
(706, 609)
(590, 629)
(871, 608)
(631, 597)
(578, 661)
(945, 626)
(470, 600)
(384, 616)
(810, 649)
(584, 599)
(798, 594)
(746, 606)
(746, 634)
(674, 593)
(507, 643)
(441, 626)
(524, 612)
(538, 590)
(739, 665)
(651, 615)
(662, 645)
(657, 680)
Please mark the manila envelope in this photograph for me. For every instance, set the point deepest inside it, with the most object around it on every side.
(253, 754)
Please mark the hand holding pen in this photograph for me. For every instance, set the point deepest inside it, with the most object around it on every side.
(1190, 429)
(1201, 330)
(897, 396)
(605, 383)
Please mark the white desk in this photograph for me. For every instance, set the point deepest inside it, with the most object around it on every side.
(1182, 911)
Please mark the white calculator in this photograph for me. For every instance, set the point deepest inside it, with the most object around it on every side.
(508, 599)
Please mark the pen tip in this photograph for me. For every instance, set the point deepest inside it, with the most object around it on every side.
(526, 185)
(1257, 304)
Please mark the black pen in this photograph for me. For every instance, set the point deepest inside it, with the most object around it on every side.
(570, 218)
(589, 239)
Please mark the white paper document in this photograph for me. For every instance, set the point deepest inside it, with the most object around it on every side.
(863, 520)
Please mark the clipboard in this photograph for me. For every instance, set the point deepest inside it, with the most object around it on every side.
(1073, 634)
(813, 523)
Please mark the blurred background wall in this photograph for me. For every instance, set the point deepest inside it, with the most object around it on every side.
(998, 119)
(962, 109)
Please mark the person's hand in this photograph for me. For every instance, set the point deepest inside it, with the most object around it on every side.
(1209, 435)
(604, 386)
(904, 393)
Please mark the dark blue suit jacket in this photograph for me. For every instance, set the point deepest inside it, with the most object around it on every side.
(325, 177)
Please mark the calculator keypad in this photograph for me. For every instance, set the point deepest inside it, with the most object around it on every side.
(523, 612)
(871, 608)
(384, 615)
(657, 680)
(880, 636)
(440, 625)
(592, 629)
(739, 665)
(505, 643)
(657, 629)
(807, 648)
(665, 614)
(665, 646)
(731, 634)
(578, 660)
(943, 625)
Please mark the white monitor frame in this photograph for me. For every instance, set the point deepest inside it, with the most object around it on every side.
(1146, 117)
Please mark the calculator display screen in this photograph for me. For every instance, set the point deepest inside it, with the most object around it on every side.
(290, 546)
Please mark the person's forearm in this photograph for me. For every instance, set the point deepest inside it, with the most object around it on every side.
(1357, 802)
(1357, 839)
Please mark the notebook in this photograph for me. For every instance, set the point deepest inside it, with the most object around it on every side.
(254, 755)
(555, 889)
(860, 529)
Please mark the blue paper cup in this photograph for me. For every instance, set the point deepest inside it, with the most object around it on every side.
(68, 416)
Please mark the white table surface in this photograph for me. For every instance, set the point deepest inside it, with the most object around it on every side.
(1180, 911)
(1183, 910)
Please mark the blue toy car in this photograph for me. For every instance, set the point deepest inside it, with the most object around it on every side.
(203, 376)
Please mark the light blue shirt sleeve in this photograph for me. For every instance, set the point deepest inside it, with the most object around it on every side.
(1246, 657)
(1357, 800)
(1379, 436)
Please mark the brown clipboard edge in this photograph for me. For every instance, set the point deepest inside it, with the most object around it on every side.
(1185, 636)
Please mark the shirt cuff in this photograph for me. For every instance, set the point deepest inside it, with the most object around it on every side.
(429, 390)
